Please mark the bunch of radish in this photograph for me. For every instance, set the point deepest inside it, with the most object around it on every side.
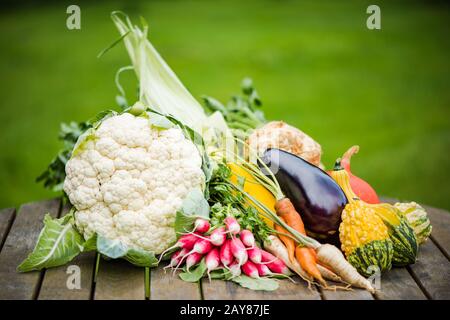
(226, 247)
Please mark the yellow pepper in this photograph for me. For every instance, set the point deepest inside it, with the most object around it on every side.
(256, 190)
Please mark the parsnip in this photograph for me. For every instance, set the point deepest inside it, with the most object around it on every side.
(333, 257)
(277, 248)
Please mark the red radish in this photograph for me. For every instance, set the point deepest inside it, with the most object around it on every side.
(201, 225)
(185, 242)
(226, 257)
(235, 269)
(247, 238)
(218, 236)
(263, 270)
(193, 259)
(232, 225)
(202, 246)
(176, 258)
(275, 265)
(212, 260)
(238, 251)
(254, 254)
(249, 268)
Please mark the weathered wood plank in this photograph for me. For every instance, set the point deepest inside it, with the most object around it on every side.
(119, 280)
(6, 219)
(432, 271)
(54, 285)
(440, 220)
(19, 243)
(398, 284)
(228, 290)
(164, 286)
(353, 294)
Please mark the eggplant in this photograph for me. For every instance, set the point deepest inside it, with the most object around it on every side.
(315, 195)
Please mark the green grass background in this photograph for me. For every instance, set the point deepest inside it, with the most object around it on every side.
(315, 65)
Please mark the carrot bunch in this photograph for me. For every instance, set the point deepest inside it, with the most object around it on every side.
(306, 257)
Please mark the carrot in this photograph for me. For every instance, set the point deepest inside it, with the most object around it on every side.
(288, 242)
(308, 263)
(275, 246)
(305, 256)
(286, 210)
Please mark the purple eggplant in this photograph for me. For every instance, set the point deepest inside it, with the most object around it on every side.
(314, 194)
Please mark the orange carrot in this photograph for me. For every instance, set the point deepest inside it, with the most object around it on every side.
(308, 263)
(305, 256)
(288, 242)
(285, 209)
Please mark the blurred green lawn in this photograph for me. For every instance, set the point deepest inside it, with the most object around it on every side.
(315, 65)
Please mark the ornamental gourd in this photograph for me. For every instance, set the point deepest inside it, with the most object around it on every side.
(417, 218)
(400, 232)
(364, 237)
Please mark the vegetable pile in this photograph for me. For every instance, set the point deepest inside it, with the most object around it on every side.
(215, 192)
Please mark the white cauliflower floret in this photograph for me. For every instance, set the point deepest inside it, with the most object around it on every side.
(129, 180)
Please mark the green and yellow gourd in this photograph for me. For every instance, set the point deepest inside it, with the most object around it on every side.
(417, 218)
(363, 235)
(401, 233)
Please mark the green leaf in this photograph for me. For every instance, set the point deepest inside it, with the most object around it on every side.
(196, 274)
(264, 284)
(220, 274)
(116, 249)
(58, 243)
(100, 117)
(183, 223)
(195, 204)
(159, 121)
(87, 136)
(90, 244)
(141, 258)
(111, 248)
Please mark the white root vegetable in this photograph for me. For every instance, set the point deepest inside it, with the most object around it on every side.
(333, 257)
(328, 274)
(278, 249)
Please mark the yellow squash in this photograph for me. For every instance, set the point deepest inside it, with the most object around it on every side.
(253, 188)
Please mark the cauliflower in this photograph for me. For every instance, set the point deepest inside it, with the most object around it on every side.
(127, 179)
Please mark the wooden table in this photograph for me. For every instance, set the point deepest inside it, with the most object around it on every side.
(428, 278)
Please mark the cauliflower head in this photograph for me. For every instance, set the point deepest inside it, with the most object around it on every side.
(128, 179)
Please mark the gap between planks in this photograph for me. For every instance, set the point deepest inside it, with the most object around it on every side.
(4, 232)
